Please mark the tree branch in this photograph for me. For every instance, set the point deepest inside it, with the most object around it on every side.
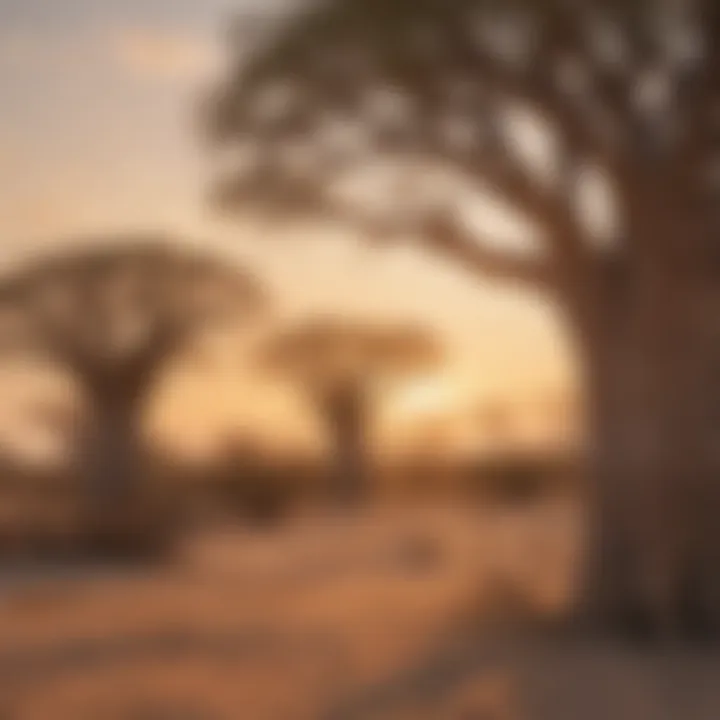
(438, 231)
(446, 236)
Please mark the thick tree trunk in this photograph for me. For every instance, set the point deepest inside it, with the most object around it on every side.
(653, 383)
(349, 465)
(112, 468)
(346, 415)
(112, 450)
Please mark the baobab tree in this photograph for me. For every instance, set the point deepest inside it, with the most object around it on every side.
(112, 314)
(342, 366)
(594, 124)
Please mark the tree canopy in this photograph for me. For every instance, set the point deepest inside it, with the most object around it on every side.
(105, 308)
(399, 114)
(327, 351)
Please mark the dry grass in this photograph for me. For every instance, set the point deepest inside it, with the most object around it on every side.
(382, 616)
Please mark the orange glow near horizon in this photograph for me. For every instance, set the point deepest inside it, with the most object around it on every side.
(98, 134)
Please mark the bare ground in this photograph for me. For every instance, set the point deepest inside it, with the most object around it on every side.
(385, 616)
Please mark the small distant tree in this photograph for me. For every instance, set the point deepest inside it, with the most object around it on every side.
(341, 366)
(112, 315)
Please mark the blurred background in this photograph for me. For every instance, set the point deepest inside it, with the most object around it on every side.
(335, 337)
(99, 139)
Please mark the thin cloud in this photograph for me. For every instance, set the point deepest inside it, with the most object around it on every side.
(27, 51)
(145, 53)
(163, 55)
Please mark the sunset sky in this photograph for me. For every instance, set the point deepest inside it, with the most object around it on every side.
(98, 133)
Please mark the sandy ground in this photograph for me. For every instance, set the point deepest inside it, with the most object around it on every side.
(390, 616)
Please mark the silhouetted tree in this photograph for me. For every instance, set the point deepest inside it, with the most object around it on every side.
(554, 109)
(112, 315)
(341, 365)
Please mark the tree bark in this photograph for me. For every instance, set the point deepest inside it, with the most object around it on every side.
(112, 462)
(652, 363)
(112, 450)
(346, 415)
